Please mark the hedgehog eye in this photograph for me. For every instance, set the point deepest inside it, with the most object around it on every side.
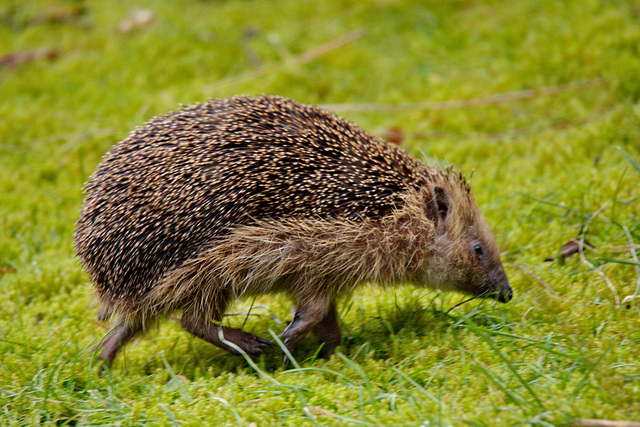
(478, 250)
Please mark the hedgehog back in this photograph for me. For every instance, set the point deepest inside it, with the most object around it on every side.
(176, 185)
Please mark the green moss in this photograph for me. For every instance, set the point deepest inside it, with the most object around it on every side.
(544, 168)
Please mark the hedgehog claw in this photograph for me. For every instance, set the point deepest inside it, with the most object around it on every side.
(253, 345)
(265, 343)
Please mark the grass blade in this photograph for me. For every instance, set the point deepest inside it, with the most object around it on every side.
(635, 164)
(495, 349)
(255, 367)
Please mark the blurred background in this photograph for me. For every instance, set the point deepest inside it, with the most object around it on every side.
(539, 99)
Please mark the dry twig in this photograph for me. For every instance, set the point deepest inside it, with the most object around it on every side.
(586, 262)
(634, 255)
(536, 277)
(622, 248)
(592, 422)
(316, 410)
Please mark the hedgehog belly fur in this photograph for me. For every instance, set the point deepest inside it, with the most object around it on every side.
(302, 257)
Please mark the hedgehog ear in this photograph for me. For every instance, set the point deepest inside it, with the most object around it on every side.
(438, 205)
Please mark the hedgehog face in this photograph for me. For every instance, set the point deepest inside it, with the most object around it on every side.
(468, 258)
(481, 268)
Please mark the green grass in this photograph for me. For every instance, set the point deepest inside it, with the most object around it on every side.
(547, 169)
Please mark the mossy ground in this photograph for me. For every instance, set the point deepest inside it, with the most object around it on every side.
(548, 169)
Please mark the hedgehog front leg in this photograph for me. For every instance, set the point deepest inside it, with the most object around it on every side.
(328, 332)
(204, 329)
(310, 312)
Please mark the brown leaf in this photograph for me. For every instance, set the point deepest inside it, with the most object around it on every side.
(138, 19)
(571, 248)
(59, 13)
(250, 32)
(177, 380)
(250, 402)
(53, 13)
(316, 410)
(16, 59)
(393, 134)
(5, 270)
(604, 423)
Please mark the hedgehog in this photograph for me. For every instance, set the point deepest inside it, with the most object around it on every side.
(249, 196)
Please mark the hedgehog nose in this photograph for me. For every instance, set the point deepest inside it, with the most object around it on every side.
(499, 284)
(505, 295)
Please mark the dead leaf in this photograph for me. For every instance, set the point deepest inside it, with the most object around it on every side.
(16, 59)
(569, 249)
(250, 32)
(604, 423)
(179, 379)
(53, 13)
(5, 270)
(316, 410)
(138, 19)
(250, 402)
(59, 13)
(393, 134)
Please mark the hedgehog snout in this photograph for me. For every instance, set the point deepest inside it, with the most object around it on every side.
(499, 285)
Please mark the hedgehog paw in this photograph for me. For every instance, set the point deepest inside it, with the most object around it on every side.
(247, 342)
(222, 335)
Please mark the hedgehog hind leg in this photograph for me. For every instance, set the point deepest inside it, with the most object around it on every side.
(122, 334)
(204, 329)
(313, 314)
(105, 312)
